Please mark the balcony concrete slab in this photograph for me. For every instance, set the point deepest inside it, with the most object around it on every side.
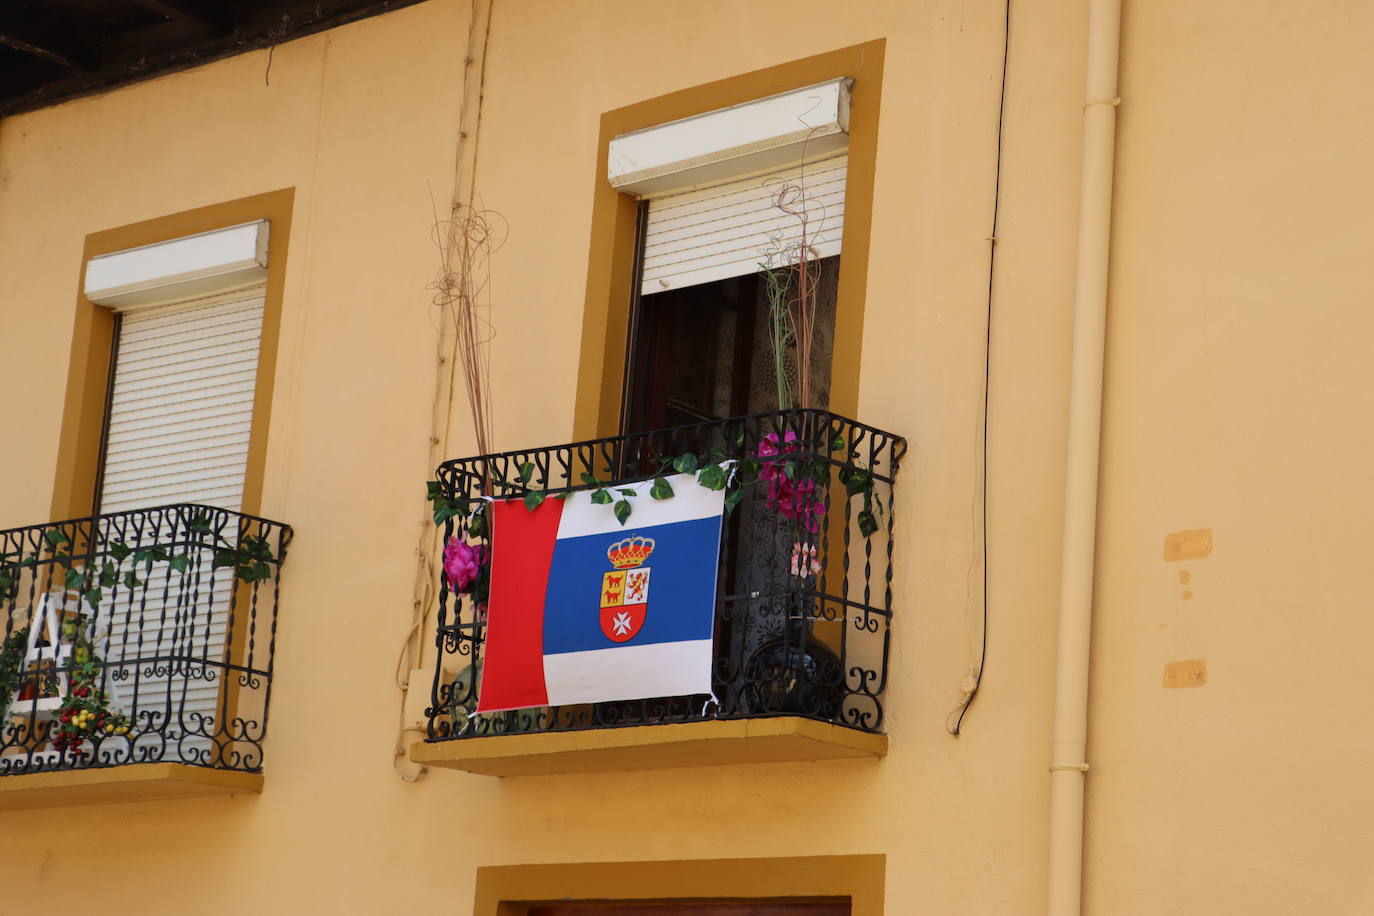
(112, 785)
(641, 747)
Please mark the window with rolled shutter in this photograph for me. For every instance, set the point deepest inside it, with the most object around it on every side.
(181, 412)
(700, 348)
(736, 204)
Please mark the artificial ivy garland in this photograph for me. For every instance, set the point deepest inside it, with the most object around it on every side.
(793, 485)
(11, 665)
(84, 712)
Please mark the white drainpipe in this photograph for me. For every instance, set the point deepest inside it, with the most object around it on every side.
(1069, 766)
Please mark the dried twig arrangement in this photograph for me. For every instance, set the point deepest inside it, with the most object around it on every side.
(462, 291)
(792, 278)
(780, 337)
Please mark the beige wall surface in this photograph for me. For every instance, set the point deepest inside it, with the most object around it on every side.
(1238, 399)
(1234, 401)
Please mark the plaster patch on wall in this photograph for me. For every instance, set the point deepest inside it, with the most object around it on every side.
(1189, 673)
(1184, 577)
(1193, 544)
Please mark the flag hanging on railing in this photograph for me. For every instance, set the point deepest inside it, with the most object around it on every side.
(585, 610)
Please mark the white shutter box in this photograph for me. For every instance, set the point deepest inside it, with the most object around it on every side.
(182, 406)
(179, 269)
(756, 136)
(726, 231)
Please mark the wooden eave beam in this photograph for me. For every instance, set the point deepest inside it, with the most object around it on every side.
(185, 14)
(19, 44)
(47, 37)
(102, 62)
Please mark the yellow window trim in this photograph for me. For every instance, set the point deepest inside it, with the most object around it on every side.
(610, 264)
(83, 414)
(512, 890)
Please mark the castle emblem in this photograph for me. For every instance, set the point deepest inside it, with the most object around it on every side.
(625, 590)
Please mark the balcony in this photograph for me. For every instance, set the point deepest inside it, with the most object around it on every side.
(803, 608)
(137, 655)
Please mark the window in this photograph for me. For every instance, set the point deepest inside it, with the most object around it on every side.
(181, 403)
(701, 326)
(677, 151)
(188, 330)
(167, 404)
(177, 261)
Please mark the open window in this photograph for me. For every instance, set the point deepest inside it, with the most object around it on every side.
(740, 230)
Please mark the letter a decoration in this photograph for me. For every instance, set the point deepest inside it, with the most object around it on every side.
(569, 618)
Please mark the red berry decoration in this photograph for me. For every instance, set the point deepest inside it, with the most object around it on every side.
(83, 713)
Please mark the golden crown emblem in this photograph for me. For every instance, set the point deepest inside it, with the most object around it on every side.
(630, 552)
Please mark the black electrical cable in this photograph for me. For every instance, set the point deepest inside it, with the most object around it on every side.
(987, 365)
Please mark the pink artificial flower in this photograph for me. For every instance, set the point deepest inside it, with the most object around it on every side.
(770, 447)
(463, 563)
(794, 499)
(804, 561)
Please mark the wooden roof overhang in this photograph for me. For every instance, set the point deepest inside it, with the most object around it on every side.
(55, 50)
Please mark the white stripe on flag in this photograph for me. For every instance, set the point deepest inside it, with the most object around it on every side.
(690, 501)
(665, 669)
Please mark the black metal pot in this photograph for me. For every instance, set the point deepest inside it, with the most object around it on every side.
(794, 673)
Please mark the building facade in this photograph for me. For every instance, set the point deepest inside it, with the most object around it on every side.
(1225, 763)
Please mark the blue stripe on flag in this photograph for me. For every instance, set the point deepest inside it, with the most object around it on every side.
(682, 587)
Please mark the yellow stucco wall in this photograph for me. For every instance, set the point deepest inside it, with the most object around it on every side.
(1236, 400)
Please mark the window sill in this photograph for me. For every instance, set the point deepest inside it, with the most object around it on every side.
(111, 785)
(644, 747)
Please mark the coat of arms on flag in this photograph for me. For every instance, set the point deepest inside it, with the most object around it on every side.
(625, 591)
(568, 616)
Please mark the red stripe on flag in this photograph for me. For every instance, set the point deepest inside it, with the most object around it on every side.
(521, 552)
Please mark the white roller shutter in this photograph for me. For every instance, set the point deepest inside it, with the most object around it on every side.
(182, 406)
(725, 231)
(180, 417)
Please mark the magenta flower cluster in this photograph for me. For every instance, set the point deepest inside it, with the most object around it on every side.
(794, 497)
(463, 564)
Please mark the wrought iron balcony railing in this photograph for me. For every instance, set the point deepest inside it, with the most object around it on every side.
(804, 588)
(138, 637)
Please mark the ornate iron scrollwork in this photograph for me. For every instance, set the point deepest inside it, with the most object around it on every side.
(804, 596)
